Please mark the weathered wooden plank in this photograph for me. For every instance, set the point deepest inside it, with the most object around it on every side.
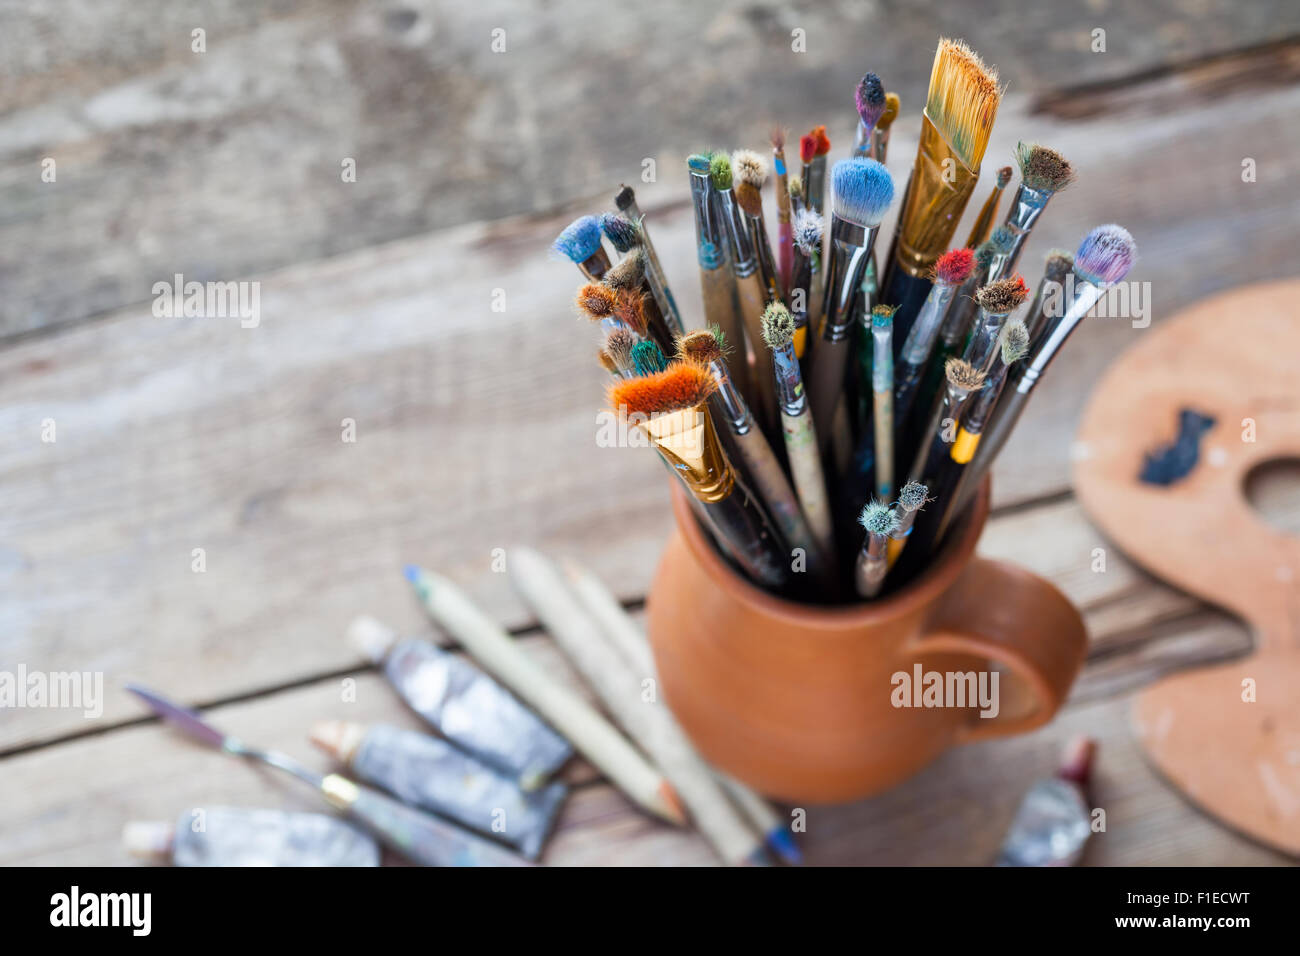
(66, 804)
(227, 162)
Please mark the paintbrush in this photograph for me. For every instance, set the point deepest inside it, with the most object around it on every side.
(626, 636)
(813, 150)
(983, 224)
(784, 241)
(869, 98)
(717, 284)
(749, 170)
(670, 408)
(546, 591)
(910, 500)
(655, 275)
(996, 301)
(955, 125)
(1103, 259)
(628, 279)
(566, 711)
(751, 293)
(1056, 266)
(619, 344)
(880, 135)
(706, 348)
(882, 396)
(579, 242)
(950, 271)
(798, 426)
(419, 837)
(879, 522)
(806, 231)
(1013, 345)
(613, 309)
(1043, 173)
(861, 191)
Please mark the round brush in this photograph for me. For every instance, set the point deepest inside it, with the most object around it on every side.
(656, 278)
(984, 221)
(579, 242)
(879, 522)
(1043, 173)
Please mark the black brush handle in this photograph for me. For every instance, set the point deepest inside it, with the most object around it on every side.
(908, 293)
(740, 521)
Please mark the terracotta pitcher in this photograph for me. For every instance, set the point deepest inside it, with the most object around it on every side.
(801, 702)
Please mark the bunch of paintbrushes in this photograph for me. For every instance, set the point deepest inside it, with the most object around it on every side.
(831, 413)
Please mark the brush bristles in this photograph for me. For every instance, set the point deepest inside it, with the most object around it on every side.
(963, 100)
(882, 316)
(1057, 264)
(794, 186)
(620, 343)
(701, 346)
(749, 199)
(1105, 255)
(869, 98)
(596, 301)
(1015, 341)
(777, 139)
(861, 190)
(1002, 239)
(629, 308)
(698, 162)
(607, 361)
(807, 229)
(648, 358)
(912, 496)
(682, 385)
(822, 140)
(622, 233)
(749, 167)
(1042, 168)
(878, 518)
(891, 112)
(954, 266)
(579, 240)
(1004, 177)
(1002, 296)
(777, 326)
(625, 198)
(807, 148)
(628, 273)
(720, 171)
(984, 254)
(961, 374)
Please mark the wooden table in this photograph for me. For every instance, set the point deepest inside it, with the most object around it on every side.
(474, 428)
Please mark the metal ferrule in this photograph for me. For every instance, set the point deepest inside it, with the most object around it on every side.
(814, 186)
(729, 402)
(983, 347)
(733, 222)
(850, 251)
(763, 253)
(1026, 207)
(687, 441)
(710, 239)
(879, 143)
(905, 521)
(882, 366)
(1086, 296)
(862, 141)
(789, 382)
(920, 340)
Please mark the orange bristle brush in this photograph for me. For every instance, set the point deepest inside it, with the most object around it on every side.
(814, 168)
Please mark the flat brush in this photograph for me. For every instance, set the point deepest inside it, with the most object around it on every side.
(797, 425)
(751, 293)
(579, 242)
(988, 212)
(705, 348)
(784, 215)
(807, 231)
(955, 125)
(625, 200)
(1013, 345)
(861, 191)
(869, 98)
(880, 135)
(717, 284)
(1103, 259)
(1043, 173)
(879, 522)
(670, 408)
(420, 837)
(750, 173)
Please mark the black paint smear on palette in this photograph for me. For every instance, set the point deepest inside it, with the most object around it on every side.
(1171, 463)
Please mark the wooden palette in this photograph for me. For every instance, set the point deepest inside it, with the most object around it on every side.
(1234, 357)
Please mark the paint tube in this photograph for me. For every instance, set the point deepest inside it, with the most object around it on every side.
(237, 836)
(465, 705)
(1053, 823)
(431, 774)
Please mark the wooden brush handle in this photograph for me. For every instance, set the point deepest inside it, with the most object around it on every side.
(753, 545)
(809, 479)
(722, 309)
(774, 488)
(752, 296)
(825, 385)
